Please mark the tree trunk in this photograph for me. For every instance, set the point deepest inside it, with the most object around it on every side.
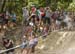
(1, 2)
(3, 5)
(48, 2)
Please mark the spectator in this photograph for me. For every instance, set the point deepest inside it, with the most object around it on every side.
(32, 43)
(47, 16)
(5, 21)
(35, 42)
(25, 14)
(8, 44)
(33, 13)
(24, 45)
(13, 18)
(59, 21)
(45, 31)
(1, 21)
(7, 17)
(42, 14)
(68, 21)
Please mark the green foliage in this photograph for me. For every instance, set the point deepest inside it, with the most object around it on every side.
(72, 7)
(62, 5)
(42, 3)
(16, 6)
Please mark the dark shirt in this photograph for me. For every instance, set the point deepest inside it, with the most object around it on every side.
(5, 43)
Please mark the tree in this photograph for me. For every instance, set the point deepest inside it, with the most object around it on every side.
(3, 5)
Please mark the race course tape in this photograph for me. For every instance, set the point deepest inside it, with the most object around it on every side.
(2, 51)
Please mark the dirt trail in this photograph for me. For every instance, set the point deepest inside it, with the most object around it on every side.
(57, 43)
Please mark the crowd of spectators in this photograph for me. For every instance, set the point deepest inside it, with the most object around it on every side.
(40, 21)
(7, 19)
(43, 20)
(45, 17)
